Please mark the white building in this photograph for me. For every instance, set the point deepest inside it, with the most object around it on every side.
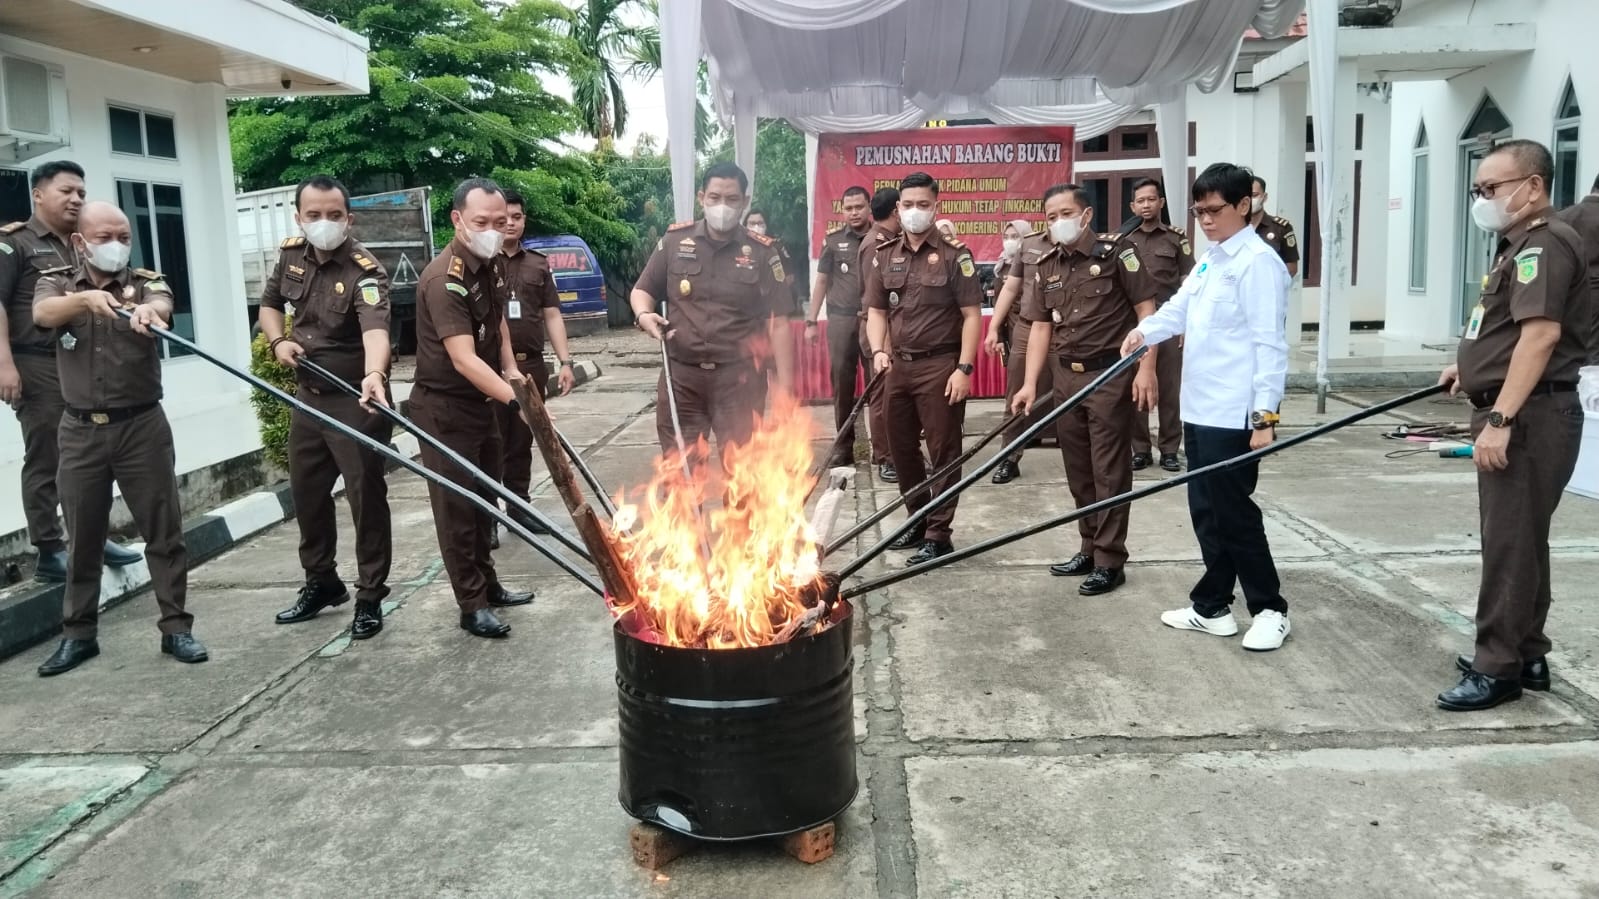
(135, 92)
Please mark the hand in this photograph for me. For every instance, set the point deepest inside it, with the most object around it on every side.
(288, 353)
(146, 317)
(1022, 400)
(881, 362)
(10, 383)
(98, 302)
(1491, 450)
(513, 375)
(991, 342)
(653, 324)
(372, 391)
(959, 387)
(1262, 437)
(1134, 340)
(1146, 389)
(1451, 376)
(810, 332)
(566, 380)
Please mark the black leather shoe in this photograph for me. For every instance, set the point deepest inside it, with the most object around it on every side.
(887, 474)
(52, 567)
(1007, 471)
(482, 623)
(1477, 691)
(842, 460)
(502, 597)
(1534, 674)
(494, 536)
(911, 538)
(119, 556)
(1103, 580)
(1142, 461)
(931, 549)
(525, 520)
(69, 655)
(184, 648)
(368, 620)
(314, 597)
(1076, 566)
(1169, 462)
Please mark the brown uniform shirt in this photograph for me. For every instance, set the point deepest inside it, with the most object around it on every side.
(1583, 217)
(335, 302)
(1278, 233)
(102, 362)
(532, 292)
(721, 294)
(874, 240)
(1166, 254)
(1538, 272)
(923, 291)
(841, 263)
(458, 295)
(27, 249)
(1086, 290)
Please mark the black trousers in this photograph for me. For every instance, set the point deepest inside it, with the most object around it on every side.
(1228, 525)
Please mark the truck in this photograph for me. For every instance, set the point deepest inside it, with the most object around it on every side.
(396, 226)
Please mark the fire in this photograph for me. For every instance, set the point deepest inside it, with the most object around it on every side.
(738, 573)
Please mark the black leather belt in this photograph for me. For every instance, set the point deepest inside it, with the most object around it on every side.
(706, 366)
(26, 349)
(1090, 363)
(1484, 399)
(109, 416)
(909, 356)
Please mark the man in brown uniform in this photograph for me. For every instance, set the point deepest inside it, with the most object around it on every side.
(923, 297)
(1518, 362)
(463, 366)
(729, 300)
(1086, 292)
(1168, 257)
(28, 379)
(341, 322)
(1583, 217)
(114, 430)
(838, 281)
(885, 227)
(755, 223)
(1276, 231)
(1013, 333)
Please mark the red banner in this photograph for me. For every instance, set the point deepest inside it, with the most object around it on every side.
(987, 174)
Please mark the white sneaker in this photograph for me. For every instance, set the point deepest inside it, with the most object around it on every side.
(1186, 619)
(1267, 632)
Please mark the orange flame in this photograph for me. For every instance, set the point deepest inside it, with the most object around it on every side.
(763, 553)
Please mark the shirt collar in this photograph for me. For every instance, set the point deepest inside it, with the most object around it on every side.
(37, 226)
(1233, 244)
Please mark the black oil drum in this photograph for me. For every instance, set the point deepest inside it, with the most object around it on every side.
(734, 744)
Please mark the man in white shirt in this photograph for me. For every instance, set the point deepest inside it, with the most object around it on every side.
(1231, 309)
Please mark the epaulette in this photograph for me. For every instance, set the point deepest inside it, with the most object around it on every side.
(149, 275)
(457, 267)
(1536, 223)
(535, 251)
(678, 226)
(290, 243)
(1105, 245)
(764, 240)
(1040, 231)
(891, 239)
(839, 230)
(1177, 231)
(1282, 221)
(954, 243)
(13, 228)
(366, 262)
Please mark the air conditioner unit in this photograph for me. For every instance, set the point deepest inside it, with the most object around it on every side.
(33, 108)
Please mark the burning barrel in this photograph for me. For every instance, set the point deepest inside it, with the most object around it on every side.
(732, 744)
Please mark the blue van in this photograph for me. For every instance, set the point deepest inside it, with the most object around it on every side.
(578, 280)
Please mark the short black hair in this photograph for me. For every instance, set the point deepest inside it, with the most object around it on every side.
(1531, 157)
(1142, 183)
(884, 202)
(919, 179)
(1078, 193)
(855, 190)
(488, 186)
(1255, 179)
(1231, 181)
(48, 171)
(323, 182)
(514, 198)
(757, 211)
(726, 170)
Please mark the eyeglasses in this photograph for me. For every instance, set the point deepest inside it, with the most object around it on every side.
(1200, 212)
(1487, 191)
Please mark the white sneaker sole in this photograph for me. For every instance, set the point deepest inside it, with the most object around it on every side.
(1226, 626)
(1288, 631)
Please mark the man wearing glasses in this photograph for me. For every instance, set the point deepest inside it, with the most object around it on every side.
(1517, 363)
(1230, 310)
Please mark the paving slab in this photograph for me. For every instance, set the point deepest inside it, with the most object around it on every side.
(1031, 661)
(552, 830)
(1485, 821)
(43, 801)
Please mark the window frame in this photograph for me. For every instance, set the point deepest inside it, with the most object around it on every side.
(1561, 124)
(1420, 197)
(144, 112)
(151, 182)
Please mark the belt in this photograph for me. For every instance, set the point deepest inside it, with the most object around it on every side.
(1484, 399)
(28, 349)
(1090, 363)
(109, 416)
(946, 350)
(709, 366)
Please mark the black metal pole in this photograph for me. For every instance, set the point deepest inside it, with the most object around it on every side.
(412, 466)
(892, 578)
(600, 495)
(920, 515)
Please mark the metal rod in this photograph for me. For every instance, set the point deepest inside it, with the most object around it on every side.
(872, 386)
(588, 475)
(895, 577)
(920, 515)
(682, 449)
(410, 465)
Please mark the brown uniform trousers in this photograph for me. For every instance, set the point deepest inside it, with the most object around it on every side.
(877, 406)
(1096, 444)
(471, 429)
(1016, 376)
(845, 359)
(516, 438)
(39, 414)
(317, 457)
(724, 401)
(915, 397)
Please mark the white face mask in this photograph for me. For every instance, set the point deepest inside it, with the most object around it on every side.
(325, 234)
(721, 217)
(916, 221)
(109, 257)
(1494, 215)
(757, 229)
(1066, 230)
(484, 244)
(1012, 244)
(1256, 204)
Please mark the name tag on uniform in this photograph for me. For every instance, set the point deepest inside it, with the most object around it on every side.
(1474, 326)
(513, 309)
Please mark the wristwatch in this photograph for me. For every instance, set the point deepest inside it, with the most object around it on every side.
(810, 323)
(964, 368)
(1497, 419)
(1260, 420)
(564, 362)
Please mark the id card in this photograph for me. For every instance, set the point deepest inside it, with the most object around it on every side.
(1474, 326)
(513, 309)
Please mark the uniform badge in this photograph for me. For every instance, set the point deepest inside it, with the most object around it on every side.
(369, 292)
(1055, 314)
(1484, 282)
(897, 259)
(338, 288)
(777, 268)
(932, 258)
(1129, 258)
(482, 330)
(6, 248)
(686, 242)
(746, 250)
(843, 268)
(1290, 240)
(452, 287)
(968, 268)
(893, 299)
(1187, 249)
(683, 286)
(68, 342)
(1093, 269)
(127, 292)
(843, 245)
(1527, 265)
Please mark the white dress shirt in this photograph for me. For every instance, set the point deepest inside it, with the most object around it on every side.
(1231, 309)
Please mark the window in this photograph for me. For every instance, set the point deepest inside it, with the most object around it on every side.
(1360, 133)
(140, 133)
(1567, 118)
(1098, 190)
(568, 260)
(16, 199)
(1418, 211)
(156, 213)
(1126, 142)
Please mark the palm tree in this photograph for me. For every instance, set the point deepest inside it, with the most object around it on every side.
(601, 44)
(645, 63)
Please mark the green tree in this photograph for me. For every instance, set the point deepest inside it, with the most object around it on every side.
(602, 48)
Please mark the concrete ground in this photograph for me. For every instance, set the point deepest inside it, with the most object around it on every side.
(1016, 739)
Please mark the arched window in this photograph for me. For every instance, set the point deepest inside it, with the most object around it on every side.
(1568, 118)
(1418, 210)
(1487, 126)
